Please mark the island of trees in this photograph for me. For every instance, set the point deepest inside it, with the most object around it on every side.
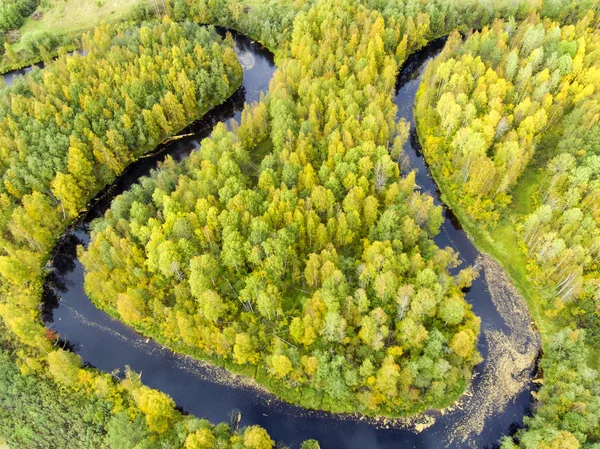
(314, 268)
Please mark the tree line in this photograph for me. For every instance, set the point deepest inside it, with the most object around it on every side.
(516, 104)
(69, 130)
(313, 269)
(562, 233)
(486, 104)
(567, 410)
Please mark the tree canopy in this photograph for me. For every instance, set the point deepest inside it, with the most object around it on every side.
(314, 266)
(513, 109)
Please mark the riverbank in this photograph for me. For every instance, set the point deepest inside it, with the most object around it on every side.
(501, 242)
(502, 383)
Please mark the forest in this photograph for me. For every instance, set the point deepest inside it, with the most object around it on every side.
(290, 248)
(62, 143)
(100, 413)
(315, 266)
(507, 112)
(67, 131)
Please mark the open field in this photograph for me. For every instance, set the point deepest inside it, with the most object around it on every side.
(69, 17)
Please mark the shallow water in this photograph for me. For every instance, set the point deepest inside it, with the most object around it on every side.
(110, 345)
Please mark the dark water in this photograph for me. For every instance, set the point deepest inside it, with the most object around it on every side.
(110, 345)
(451, 233)
(9, 77)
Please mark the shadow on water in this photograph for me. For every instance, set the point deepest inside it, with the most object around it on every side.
(110, 345)
(10, 77)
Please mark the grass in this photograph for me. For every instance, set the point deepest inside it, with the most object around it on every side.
(501, 242)
(68, 19)
(73, 17)
(256, 157)
(260, 151)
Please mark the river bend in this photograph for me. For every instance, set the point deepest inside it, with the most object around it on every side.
(494, 405)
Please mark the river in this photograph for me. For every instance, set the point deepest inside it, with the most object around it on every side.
(10, 77)
(481, 418)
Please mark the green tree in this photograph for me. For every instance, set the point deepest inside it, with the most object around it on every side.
(201, 439)
(158, 408)
(64, 366)
(257, 438)
(310, 444)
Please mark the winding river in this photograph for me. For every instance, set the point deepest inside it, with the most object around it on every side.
(497, 400)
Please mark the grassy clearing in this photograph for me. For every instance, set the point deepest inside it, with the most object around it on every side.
(502, 244)
(261, 150)
(68, 19)
(72, 17)
(256, 157)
